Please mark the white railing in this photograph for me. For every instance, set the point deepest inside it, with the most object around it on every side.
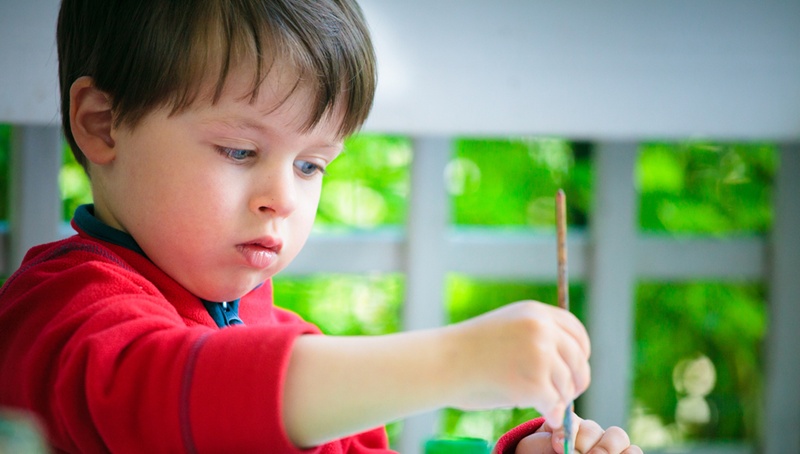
(609, 257)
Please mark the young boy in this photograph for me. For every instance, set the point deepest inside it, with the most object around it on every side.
(205, 128)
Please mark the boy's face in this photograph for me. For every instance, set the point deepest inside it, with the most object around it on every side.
(220, 197)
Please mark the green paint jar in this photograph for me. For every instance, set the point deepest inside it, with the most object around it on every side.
(457, 446)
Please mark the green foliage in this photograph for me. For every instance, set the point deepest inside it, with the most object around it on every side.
(74, 185)
(513, 182)
(344, 304)
(367, 185)
(724, 322)
(468, 297)
(704, 188)
(701, 189)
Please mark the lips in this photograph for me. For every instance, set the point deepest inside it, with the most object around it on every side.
(261, 253)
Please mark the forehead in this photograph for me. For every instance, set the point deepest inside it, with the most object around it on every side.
(283, 93)
(283, 101)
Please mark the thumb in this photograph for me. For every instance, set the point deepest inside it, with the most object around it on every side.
(557, 439)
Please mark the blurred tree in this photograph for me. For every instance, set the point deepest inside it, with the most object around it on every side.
(709, 189)
(512, 182)
(367, 185)
(706, 188)
(344, 304)
(680, 322)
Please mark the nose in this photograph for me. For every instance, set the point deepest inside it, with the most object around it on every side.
(275, 193)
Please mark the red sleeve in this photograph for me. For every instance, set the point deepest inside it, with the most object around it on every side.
(109, 365)
(507, 444)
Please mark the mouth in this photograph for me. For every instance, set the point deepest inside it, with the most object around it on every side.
(261, 253)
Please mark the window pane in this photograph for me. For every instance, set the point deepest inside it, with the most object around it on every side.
(467, 298)
(367, 186)
(512, 182)
(698, 365)
(706, 188)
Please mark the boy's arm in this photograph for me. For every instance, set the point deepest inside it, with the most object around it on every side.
(525, 354)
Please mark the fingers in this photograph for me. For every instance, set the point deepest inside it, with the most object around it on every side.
(578, 365)
(570, 323)
(563, 392)
(543, 351)
(589, 434)
(569, 371)
(569, 378)
(559, 432)
(592, 439)
(633, 450)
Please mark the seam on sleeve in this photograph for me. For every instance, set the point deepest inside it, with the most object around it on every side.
(186, 387)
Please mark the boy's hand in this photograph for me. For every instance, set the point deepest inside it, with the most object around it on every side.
(526, 354)
(590, 438)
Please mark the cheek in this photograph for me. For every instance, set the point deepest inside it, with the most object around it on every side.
(311, 202)
(305, 212)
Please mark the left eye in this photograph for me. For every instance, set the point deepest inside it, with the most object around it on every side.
(236, 154)
(308, 168)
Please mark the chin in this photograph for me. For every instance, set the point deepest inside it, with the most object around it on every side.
(236, 286)
(227, 294)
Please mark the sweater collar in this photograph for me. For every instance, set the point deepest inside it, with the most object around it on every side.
(223, 313)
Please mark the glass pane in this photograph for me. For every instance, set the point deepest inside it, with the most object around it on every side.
(706, 188)
(512, 182)
(467, 298)
(698, 365)
(367, 186)
(74, 185)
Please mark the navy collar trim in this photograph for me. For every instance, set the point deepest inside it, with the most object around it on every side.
(86, 220)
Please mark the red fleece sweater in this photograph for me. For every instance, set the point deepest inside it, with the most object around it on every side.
(114, 355)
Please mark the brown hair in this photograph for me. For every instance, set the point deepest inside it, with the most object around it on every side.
(151, 53)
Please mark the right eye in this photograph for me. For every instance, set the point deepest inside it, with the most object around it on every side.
(236, 154)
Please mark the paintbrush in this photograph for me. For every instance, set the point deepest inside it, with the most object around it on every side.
(563, 291)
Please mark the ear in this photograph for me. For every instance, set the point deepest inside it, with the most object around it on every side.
(91, 121)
